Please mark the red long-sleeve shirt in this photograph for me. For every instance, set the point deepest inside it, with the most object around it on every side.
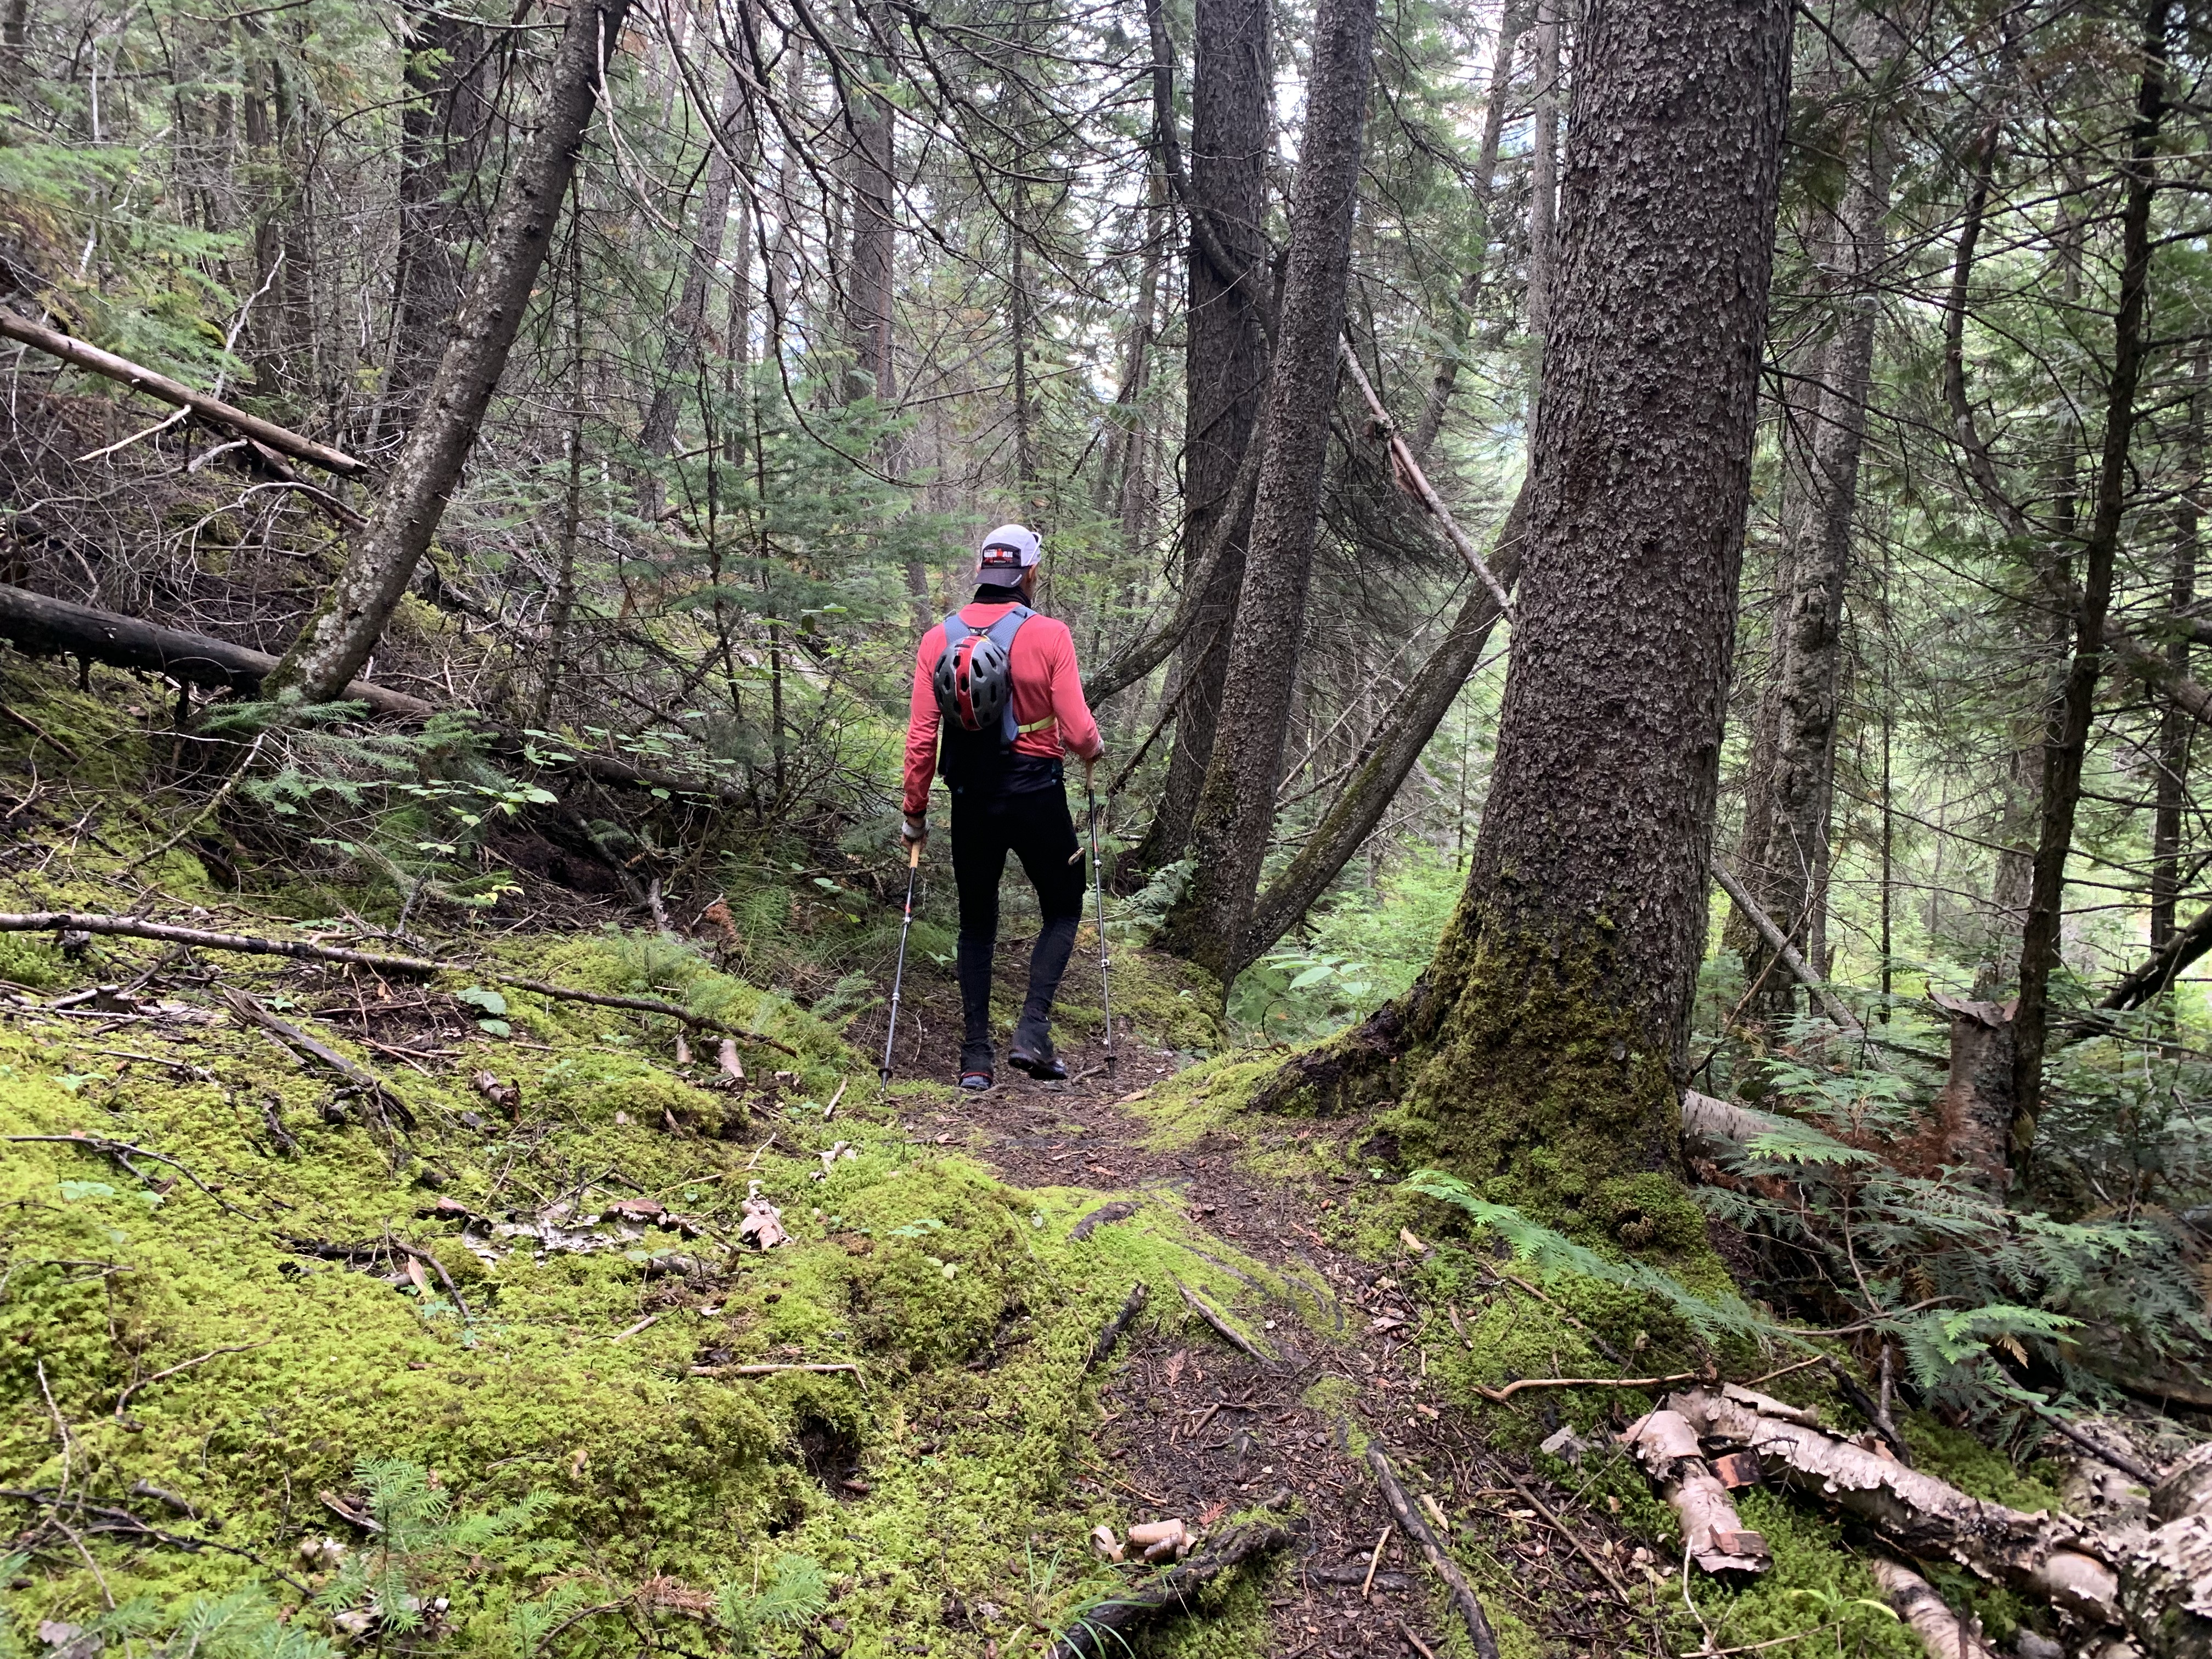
(1046, 682)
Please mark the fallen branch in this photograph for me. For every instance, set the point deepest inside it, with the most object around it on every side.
(1500, 1397)
(1411, 1523)
(1597, 1564)
(2039, 1554)
(1110, 1332)
(15, 716)
(208, 809)
(1415, 483)
(1778, 942)
(1666, 1445)
(439, 1268)
(1227, 1332)
(122, 1151)
(371, 1085)
(41, 922)
(1103, 1627)
(80, 355)
(1942, 1633)
(124, 1399)
(762, 1370)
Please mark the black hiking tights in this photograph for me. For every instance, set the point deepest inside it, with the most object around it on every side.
(1034, 826)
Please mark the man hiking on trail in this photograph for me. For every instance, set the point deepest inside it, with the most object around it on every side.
(997, 703)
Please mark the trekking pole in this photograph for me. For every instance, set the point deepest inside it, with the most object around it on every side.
(898, 975)
(1098, 889)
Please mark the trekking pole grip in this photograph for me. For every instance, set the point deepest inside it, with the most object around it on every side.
(914, 855)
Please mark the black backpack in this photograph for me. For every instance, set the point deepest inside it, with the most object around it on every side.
(974, 685)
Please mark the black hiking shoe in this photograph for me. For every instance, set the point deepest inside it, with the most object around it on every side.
(975, 1066)
(1045, 1068)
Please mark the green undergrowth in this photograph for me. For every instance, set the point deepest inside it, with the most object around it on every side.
(941, 1490)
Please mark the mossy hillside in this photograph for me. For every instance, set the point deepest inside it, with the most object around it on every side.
(920, 1266)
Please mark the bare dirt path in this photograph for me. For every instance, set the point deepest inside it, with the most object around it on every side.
(1194, 1429)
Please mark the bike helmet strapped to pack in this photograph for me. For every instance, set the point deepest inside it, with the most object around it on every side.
(974, 676)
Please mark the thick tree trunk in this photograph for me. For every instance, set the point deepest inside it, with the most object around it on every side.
(2068, 740)
(441, 132)
(1555, 1014)
(1225, 373)
(1794, 794)
(342, 634)
(1236, 809)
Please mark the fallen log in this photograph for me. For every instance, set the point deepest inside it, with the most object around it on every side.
(42, 627)
(80, 355)
(1666, 1447)
(1942, 1633)
(80, 922)
(1104, 1627)
(39, 626)
(2049, 1557)
(1411, 1523)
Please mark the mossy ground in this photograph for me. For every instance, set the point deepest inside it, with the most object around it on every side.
(945, 1489)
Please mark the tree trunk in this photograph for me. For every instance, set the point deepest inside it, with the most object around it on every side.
(868, 278)
(1805, 690)
(1482, 183)
(1549, 1031)
(342, 634)
(1225, 369)
(2069, 731)
(1544, 171)
(441, 133)
(1236, 809)
(687, 328)
(2174, 727)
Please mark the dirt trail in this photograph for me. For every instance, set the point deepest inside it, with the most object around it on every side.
(1194, 1429)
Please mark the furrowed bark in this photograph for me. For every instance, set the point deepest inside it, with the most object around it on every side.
(1394, 751)
(80, 355)
(342, 636)
(1787, 877)
(1555, 1012)
(1974, 1110)
(2068, 743)
(687, 326)
(442, 129)
(1225, 378)
(1236, 810)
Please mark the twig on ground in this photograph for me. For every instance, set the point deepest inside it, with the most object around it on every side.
(762, 1370)
(1411, 1523)
(1595, 1341)
(41, 922)
(124, 1399)
(122, 1151)
(1500, 1397)
(1561, 1528)
(16, 717)
(208, 810)
(1374, 1561)
(439, 1268)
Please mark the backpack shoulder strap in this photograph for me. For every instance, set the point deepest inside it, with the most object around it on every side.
(1007, 626)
